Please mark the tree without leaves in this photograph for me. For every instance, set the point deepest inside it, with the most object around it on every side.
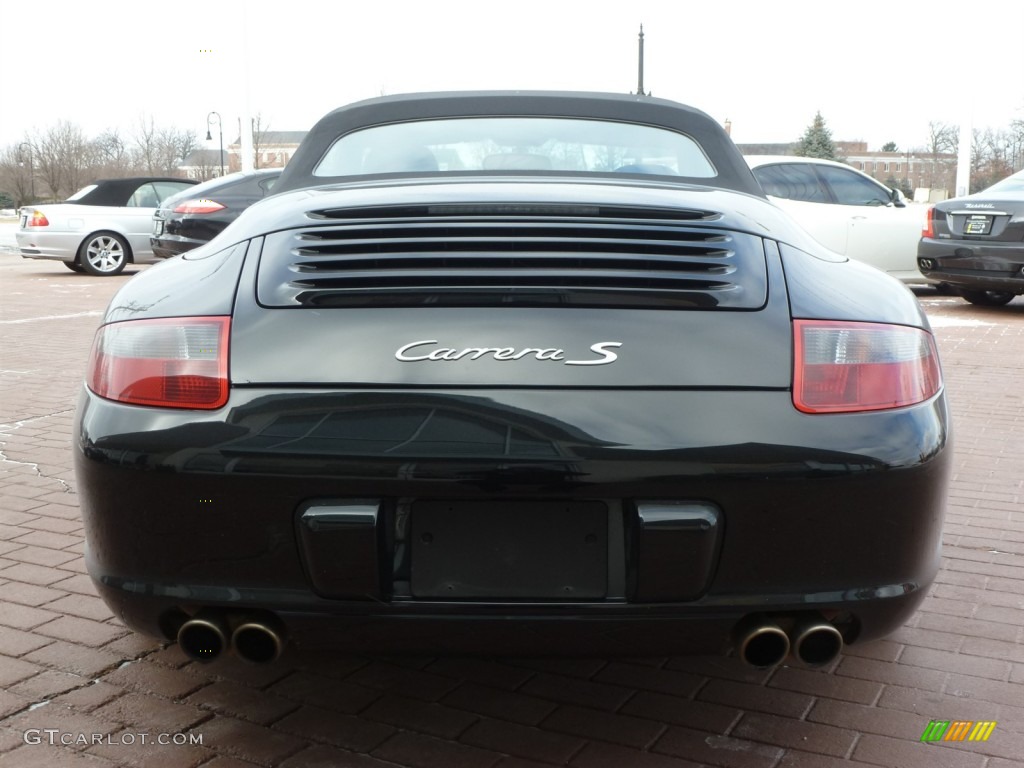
(63, 160)
(207, 164)
(992, 157)
(942, 138)
(145, 145)
(1015, 138)
(817, 141)
(15, 170)
(63, 157)
(174, 145)
(112, 155)
(159, 151)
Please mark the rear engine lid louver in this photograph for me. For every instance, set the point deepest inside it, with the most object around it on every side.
(515, 255)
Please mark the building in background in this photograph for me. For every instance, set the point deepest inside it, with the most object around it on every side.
(204, 164)
(271, 149)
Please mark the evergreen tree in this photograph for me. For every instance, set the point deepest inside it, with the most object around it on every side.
(890, 146)
(817, 141)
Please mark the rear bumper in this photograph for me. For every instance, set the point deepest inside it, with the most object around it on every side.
(814, 514)
(973, 266)
(166, 246)
(40, 244)
(701, 628)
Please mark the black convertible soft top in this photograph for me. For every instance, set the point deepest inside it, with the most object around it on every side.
(733, 172)
(119, 191)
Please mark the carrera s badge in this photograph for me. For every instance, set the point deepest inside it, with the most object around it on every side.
(418, 351)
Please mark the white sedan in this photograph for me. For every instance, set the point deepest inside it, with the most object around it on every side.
(100, 228)
(846, 210)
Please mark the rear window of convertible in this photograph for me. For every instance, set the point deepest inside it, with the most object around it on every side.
(511, 144)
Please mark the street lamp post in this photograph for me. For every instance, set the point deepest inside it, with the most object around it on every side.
(31, 171)
(640, 66)
(220, 131)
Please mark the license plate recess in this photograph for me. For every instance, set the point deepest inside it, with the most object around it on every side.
(978, 225)
(509, 550)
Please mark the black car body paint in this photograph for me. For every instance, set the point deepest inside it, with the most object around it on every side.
(371, 494)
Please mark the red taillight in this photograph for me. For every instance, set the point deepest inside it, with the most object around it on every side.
(928, 230)
(201, 205)
(37, 219)
(845, 367)
(177, 362)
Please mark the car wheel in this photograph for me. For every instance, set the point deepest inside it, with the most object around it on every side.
(103, 254)
(74, 266)
(988, 298)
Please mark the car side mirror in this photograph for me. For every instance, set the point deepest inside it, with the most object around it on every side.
(898, 199)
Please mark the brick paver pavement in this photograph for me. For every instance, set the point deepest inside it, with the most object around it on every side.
(70, 672)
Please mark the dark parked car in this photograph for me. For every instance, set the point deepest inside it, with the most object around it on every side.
(101, 228)
(525, 373)
(976, 243)
(199, 214)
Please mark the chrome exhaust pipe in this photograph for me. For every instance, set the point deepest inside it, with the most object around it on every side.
(259, 640)
(760, 642)
(204, 637)
(816, 642)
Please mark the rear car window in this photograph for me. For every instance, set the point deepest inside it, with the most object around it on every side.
(850, 188)
(791, 181)
(515, 144)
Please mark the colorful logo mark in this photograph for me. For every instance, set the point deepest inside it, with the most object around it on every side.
(958, 730)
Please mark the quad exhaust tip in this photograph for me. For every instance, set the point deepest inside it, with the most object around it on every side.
(204, 637)
(816, 642)
(209, 634)
(763, 643)
(260, 641)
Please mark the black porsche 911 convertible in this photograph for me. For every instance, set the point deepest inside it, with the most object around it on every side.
(517, 372)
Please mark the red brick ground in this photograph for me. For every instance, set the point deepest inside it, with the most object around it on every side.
(67, 666)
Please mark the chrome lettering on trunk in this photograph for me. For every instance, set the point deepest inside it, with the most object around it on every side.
(416, 351)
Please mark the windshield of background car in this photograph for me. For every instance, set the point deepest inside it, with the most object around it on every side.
(514, 144)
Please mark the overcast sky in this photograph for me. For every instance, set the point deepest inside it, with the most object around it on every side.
(877, 70)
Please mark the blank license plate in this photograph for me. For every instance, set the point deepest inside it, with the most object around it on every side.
(509, 550)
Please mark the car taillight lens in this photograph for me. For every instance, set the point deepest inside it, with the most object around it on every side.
(845, 367)
(199, 206)
(928, 230)
(37, 219)
(177, 362)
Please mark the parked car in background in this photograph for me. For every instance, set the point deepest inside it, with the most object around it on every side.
(846, 211)
(101, 228)
(976, 243)
(200, 213)
(514, 372)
